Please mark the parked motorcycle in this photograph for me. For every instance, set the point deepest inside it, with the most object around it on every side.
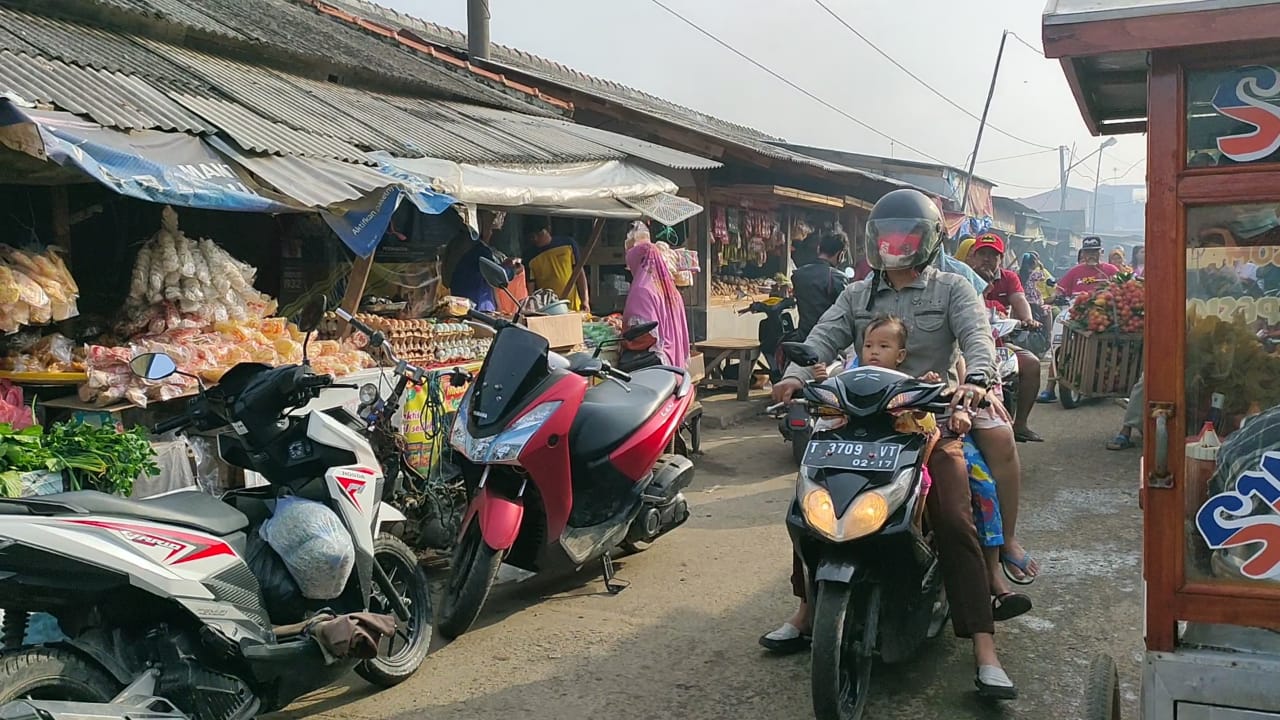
(560, 472)
(163, 615)
(688, 442)
(857, 524)
(777, 326)
(432, 506)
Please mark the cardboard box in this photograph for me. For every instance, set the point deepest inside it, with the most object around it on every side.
(697, 367)
(561, 331)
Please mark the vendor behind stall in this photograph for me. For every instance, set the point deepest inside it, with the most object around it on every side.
(551, 261)
(460, 268)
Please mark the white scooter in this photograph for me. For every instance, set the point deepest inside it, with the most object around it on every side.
(163, 616)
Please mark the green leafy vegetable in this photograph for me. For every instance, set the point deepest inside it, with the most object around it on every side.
(91, 456)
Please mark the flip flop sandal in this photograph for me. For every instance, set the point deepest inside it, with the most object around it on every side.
(1022, 566)
(786, 640)
(1120, 442)
(992, 682)
(1046, 397)
(1027, 436)
(1007, 606)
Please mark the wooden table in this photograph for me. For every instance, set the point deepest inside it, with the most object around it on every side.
(720, 351)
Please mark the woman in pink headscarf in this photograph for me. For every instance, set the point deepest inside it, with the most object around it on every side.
(654, 297)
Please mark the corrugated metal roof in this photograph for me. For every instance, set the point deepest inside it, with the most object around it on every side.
(89, 47)
(315, 182)
(534, 131)
(110, 99)
(256, 133)
(1072, 11)
(635, 147)
(181, 12)
(14, 43)
(554, 72)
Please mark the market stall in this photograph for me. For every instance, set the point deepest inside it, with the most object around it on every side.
(1200, 79)
(755, 233)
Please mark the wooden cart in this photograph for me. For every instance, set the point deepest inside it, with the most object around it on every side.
(1097, 365)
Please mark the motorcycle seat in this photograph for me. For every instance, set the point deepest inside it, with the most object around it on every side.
(609, 414)
(191, 509)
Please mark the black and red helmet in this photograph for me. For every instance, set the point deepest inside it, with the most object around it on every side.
(905, 230)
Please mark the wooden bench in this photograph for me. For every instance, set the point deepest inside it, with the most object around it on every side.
(720, 352)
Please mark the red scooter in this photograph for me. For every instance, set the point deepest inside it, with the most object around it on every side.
(565, 460)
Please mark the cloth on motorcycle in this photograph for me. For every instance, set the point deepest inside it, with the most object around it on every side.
(352, 635)
(939, 309)
(314, 545)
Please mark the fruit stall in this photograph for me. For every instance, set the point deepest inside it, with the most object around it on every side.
(1200, 79)
(1101, 351)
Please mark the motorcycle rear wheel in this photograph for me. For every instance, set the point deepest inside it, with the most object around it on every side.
(472, 571)
(41, 673)
(400, 563)
(842, 656)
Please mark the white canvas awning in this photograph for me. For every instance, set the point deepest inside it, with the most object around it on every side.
(607, 188)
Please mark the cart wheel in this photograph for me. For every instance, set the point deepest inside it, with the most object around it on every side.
(1102, 694)
(1069, 398)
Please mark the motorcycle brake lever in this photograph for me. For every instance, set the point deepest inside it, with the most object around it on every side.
(621, 384)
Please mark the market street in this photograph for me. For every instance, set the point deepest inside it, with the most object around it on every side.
(681, 642)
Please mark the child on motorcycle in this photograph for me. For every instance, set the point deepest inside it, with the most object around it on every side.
(885, 346)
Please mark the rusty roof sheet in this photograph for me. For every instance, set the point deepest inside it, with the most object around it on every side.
(86, 46)
(111, 99)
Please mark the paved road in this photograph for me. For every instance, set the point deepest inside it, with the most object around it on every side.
(681, 642)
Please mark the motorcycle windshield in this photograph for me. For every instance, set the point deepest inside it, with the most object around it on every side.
(515, 365)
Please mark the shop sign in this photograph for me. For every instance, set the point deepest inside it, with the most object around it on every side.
(1231, 309)
(1250, 95)
(1233, 519)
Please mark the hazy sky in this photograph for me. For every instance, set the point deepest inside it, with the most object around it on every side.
(951, 45)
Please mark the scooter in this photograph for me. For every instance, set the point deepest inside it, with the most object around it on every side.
(794, 422)
(560, 472)
(777, 326)
(1002, 330)
(163, 616)
(857, 524)
(688, 442)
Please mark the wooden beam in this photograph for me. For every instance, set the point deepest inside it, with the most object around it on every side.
(1238, 26)
(61, 216)
(356, 282)
(597, 231)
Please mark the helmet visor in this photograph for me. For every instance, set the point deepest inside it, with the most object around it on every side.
(897, 243)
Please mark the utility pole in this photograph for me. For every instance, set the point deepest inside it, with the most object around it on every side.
(982, 124)
(1062, 189)
(1097, 180)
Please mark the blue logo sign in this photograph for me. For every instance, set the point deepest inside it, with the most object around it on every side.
(1233, 519)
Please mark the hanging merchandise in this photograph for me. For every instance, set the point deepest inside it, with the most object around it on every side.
(194, 302)
(35, 289)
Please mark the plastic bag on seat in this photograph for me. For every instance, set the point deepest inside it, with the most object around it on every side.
(314, 545)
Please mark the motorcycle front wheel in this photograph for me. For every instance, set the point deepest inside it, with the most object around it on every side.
(843, 647)
(472, 570)
(402, 653)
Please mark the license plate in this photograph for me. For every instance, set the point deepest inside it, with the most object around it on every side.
(844, 455)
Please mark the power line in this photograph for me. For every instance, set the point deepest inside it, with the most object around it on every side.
(716, 39)
(920, 80)
(1034, 49)
(1016, 157)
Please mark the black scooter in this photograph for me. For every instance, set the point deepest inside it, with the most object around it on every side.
(857, 523)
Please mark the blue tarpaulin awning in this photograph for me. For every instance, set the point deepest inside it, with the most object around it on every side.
(184, 170)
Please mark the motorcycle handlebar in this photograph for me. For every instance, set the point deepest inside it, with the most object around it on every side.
(173, 423)
(355, 323)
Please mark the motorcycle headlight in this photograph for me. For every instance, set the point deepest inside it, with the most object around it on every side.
(368, 394)
(505, 447)
(866, 515)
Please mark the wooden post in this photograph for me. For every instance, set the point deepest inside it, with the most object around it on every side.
(597, 231)
(61, 216)
(356, 282)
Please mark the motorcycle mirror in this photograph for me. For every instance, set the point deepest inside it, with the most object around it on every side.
(312, 313)
(493, 274)
(153, 366)
(800, 354)
(636, 331)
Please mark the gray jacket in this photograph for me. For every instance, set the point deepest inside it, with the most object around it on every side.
(943, 315)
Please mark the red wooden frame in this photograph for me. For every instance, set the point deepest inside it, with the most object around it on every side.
(1172, 188)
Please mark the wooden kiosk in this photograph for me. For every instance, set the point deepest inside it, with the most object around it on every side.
(1202, 78)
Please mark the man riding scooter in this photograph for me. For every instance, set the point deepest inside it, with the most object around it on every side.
(1005, 292)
